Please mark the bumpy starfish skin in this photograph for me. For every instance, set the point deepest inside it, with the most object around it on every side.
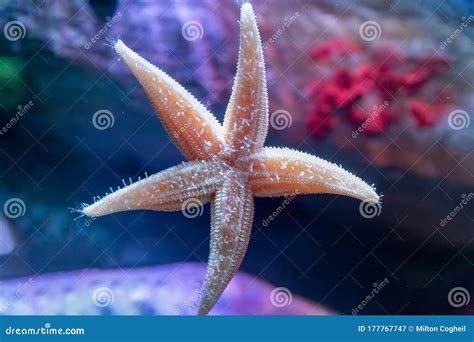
(165, 191)
(246, 117)
(228, 164)
(283, 171)
(194, 130)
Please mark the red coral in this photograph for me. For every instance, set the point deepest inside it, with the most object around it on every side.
(426, 114)
(329, 50)
(364, 93)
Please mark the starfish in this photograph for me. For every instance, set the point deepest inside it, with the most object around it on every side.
(227, 164)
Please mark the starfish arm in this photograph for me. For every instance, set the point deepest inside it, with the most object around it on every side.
(246, 117)
(231, 223)
(165, 191)
(282, 172)
(195, 131)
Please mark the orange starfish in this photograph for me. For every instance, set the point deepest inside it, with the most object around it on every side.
(228, 165)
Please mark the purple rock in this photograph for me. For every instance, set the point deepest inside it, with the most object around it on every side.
(7, 240)
(164, 290)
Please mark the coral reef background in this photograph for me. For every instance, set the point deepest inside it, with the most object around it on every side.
(74, 122)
